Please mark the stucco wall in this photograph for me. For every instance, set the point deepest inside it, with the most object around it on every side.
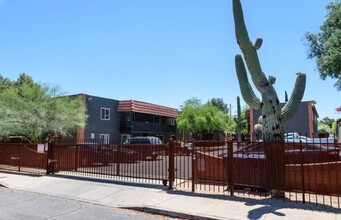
(95, 125)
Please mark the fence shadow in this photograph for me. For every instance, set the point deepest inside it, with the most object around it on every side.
(268, 203)
(111, 181)
(22, 173)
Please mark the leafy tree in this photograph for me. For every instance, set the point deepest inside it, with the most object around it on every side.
(337, 126)
(334, 127)
(325, 45)
(214, 118)
(190, 119)
(323, 128)
(24, 80)
(328, 121)
(326, 125)
(220, 104)
(197, 118)
(4, 82)
(32, 110)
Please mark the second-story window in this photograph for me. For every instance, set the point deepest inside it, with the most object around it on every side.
(105, 113)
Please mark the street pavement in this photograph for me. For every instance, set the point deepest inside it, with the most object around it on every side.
(158, 199)
(18, 204)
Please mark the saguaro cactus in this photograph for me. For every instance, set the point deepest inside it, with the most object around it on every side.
(273, 117)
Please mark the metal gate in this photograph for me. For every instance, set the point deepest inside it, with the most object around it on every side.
(137, 163)
(29, 158)
(311, 172)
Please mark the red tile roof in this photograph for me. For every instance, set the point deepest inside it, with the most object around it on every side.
(147, 108)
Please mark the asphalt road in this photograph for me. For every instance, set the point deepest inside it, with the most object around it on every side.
(15, 204)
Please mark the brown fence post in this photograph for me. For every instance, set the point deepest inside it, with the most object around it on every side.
(77, 158)
(194, 166)
(171, 167)
(275, 162)
(302, 172)
(20, 156)
(117, 159)
(49, 168)
(230, 167)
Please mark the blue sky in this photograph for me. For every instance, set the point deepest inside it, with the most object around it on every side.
(159, 51)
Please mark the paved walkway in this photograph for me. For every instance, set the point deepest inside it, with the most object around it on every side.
(158, 199)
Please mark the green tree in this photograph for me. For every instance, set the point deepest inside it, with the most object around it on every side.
(215, 120)
(220, 104)
(24, 80)
(334, 127)
(323, 128)
(190, 119)
(32, 110)
(196, 118)
(325, 45)
(4, 82)
(328, 121)
(326, 125)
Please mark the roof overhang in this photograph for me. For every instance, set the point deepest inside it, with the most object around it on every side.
(147, 108)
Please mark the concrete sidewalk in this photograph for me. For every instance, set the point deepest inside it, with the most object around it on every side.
(160, 200)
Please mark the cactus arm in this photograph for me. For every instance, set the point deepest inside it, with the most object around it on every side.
(291, 106)
(258, 43)
(247, 92)
(248, 49)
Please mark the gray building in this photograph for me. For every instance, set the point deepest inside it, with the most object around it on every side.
(303, 122)
(111, 120)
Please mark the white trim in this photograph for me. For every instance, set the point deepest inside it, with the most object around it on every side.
(105, 138)
(106, 116)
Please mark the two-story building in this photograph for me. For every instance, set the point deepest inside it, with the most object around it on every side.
(146, 119)
(114, 120)
(304, 121)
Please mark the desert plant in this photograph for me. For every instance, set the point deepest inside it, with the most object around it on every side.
(273, 116)
(270, 123)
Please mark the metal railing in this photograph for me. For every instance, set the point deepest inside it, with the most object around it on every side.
(307, 172)
(131, 162)
(29, 158)
(135, 126)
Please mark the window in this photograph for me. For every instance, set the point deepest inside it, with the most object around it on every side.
(104, 138)
(171, 121)
(128, 116)
(105, 113)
